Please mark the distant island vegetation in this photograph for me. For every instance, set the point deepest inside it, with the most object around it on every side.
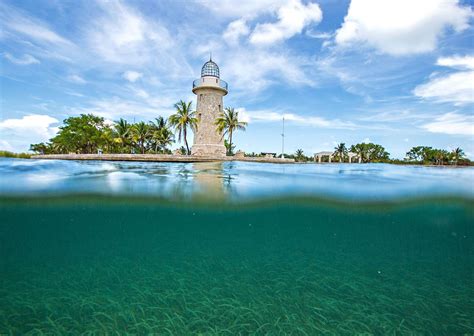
(90, 134)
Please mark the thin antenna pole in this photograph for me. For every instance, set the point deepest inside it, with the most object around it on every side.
(283, 140)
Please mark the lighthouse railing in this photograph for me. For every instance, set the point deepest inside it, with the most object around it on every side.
(220, 83)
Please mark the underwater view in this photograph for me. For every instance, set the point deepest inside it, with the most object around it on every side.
(235, 248)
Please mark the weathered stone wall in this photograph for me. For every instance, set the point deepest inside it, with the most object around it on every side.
(207, 141)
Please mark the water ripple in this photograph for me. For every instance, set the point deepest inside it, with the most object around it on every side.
(232, 180)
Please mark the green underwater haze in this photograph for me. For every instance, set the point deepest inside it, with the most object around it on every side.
(235, 256)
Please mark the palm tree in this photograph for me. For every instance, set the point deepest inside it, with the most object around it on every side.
(299, 156)
(227, 123)
(162, 138)
(107, 138)
(182, 119)
(122, 130)
(159, 123)
(457, 154)
(141, 132)
(341, 151)
(359, 150)
(440, 155)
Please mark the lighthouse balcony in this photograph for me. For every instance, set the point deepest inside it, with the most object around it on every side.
(210, 82)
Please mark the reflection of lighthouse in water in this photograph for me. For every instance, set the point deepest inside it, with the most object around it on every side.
(210, 90)
(208, 180)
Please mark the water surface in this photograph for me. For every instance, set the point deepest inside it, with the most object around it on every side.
(235, 248)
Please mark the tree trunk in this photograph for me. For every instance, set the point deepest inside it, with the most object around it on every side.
(230, 143)
(186, 142)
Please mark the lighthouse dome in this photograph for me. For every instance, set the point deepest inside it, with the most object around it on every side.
(210, 69)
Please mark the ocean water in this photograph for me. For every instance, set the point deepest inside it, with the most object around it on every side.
(235, 249)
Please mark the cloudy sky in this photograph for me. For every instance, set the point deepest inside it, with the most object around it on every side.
(395, 72)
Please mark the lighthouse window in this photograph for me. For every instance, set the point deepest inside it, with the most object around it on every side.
(200, 97)
(217, 81)
(219, 107)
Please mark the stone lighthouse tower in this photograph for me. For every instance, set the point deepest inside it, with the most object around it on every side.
(210, 90)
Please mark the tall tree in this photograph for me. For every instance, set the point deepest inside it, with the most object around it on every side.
(159, 123)
(340, 151)
(161, 135)
(359, 150)
(457, 154)
(227, 123)
(122, 131)
(299, 155)
(370, 152)
(108, 140)
(81, 134)
(140, 134)
(440, 156)
(162, 138)
(183, 119)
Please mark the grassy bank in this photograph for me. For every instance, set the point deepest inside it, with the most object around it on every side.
(14, 155)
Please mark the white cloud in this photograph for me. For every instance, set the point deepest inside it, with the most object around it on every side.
(250, 68)
(452, 123)
(457, 87)
(403, 26)
(35, 123)
(34, 36)
(15, 21)
(26, 59)
(244, 8)
(235, 30)
(132, 76)
(18, 134)
(76, 79)
(462, 62)
(293, 17)
(270, 116)
(252, 71)
(318, 35)
(122, 35)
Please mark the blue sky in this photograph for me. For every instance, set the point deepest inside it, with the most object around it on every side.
(399, 73)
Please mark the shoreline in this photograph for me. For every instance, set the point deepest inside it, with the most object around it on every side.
(189, 158)
(158, 158)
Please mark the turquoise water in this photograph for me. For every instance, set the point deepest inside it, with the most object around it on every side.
(235, 248)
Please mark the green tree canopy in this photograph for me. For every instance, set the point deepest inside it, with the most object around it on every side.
(370, 152)
(183, 119)
(299, 155)
(83, 134)
(340, 151)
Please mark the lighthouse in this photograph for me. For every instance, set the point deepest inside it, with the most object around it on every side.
(209, 91)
